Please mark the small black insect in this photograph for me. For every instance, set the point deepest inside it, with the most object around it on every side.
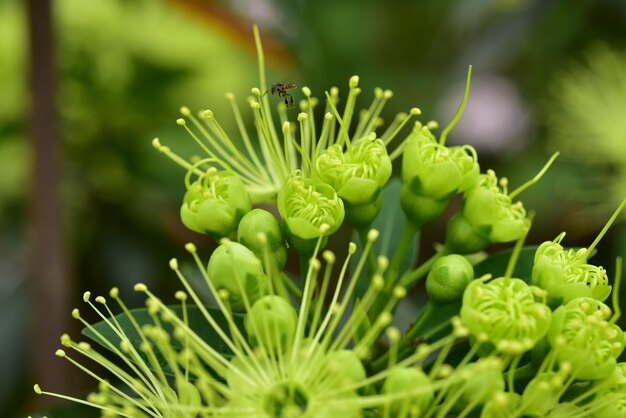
(281, 90)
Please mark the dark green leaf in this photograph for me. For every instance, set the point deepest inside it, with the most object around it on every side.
(390, 222)
(496, 264)
(196, 320)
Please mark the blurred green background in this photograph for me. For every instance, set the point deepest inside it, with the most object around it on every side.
(548, 75)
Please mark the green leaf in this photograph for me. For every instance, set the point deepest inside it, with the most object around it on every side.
(196, 320)
(390, 222)
(496, 264)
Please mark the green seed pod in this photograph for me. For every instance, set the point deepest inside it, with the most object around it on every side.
(271, 324)
(305, 207)
(259, 222)
(420, 209)
(234, 268)
(408, 380)
(582, 336)
(448, 278)
(505, 313)
(492, 214)
(215, 203)
(565, 274)
(462, 238)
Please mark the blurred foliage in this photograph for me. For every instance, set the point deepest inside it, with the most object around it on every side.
(124, 67)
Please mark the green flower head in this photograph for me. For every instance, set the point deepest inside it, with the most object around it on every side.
(308, 209)
(582, 335)
(214, 203)
(565, 274)
(505, 313)
(433, 170)
(191, 360)
(358, 159)
(492, 213)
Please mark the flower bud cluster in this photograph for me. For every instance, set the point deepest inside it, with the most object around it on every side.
(255, 343)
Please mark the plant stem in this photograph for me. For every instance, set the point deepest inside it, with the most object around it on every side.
(410, 278)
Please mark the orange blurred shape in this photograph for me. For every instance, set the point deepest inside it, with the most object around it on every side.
(219, 18)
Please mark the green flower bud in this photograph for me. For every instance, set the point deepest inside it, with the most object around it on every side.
(492, 214)
(234, 268)
(582, 336)
(542, 393)
(477, 383)
(255, 225)
(420, 209)
(610, 405)
(462, 238)
(565, 274)
(271, 324)
(434, 170)
(305, 206)
(505, 312)
(215, 203)
(448, 278)
(501, 405)
(345, 364)
(358, 175)
(408, 380)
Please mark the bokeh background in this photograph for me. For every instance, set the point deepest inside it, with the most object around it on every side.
(86, 203)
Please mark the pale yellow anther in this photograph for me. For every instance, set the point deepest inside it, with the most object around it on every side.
(180, 295)
(181, 122)
(114, 292)
(229, 96)
(306, 91)
(190, 247)
(329, 256)
(388, 94)
(174, 264)
(415, 111)
(324, 228)
(255, 105)
(156, 143)
(140, 287)
(206, 114)
(101, 299)
(256, 91)
(354, 81)
(76, 313)
(328, 116)
(351, 248)
(59, 353)
(37, 389)
(372, 235)
(184, 110)
(302, 116)
(86, 296)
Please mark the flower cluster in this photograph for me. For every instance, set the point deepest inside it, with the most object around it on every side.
(265, 345)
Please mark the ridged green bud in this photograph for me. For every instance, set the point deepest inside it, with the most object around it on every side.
(448, 278)
(462, 238)
(492, 214)
(434, 170)
(260, 231)
(309, 210)
(358, 175)
(234, 268)
(215, 203)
